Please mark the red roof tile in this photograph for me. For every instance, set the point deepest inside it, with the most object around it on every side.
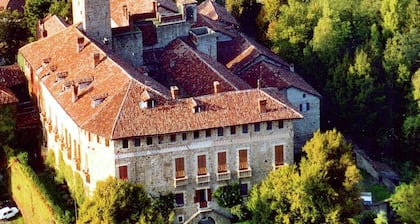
(216, 12)
(50, 25)
(195, 72)
(7, 96)
(11, 75)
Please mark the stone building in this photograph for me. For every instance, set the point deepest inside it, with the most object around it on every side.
(170, 95)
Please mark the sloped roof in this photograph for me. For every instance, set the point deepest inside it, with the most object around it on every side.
(12, 5)
(274, 76)
(11, 75)
(196, 72)
(7, 96)
(50, 25)
(109, 79)
(216, 12)
(218, 110)
(218, 27)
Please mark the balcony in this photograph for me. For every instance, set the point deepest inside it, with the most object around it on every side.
(201, 179)
(181, 181)
(223, 176)
(245, 173)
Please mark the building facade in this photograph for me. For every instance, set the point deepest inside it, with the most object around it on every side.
(165, 101)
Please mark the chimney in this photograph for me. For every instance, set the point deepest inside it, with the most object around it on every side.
(292, 67)
(258, 83)
(262, 105)
(216, 85)
(155, 8)
(96, 57)
(80, 44)
(174, 92)
(75, 89)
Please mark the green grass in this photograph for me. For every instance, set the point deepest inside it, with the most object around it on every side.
(379, 191)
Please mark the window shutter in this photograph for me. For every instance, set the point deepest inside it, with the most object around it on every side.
(278, 155)
(209, 194)
(179, 168)
(123, 172)
(197, 196)
(202, 165)
(243, 159)
(221, 159)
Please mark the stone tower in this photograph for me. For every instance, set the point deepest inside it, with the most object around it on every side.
(95, 16)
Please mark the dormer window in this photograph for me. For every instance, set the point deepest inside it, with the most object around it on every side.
(61, 76)
(197, 109)
(98, 99)
(147, 101)
(85, 82)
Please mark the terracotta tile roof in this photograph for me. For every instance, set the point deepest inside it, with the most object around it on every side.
(11, 75)
(12, 5)
(218, 110)
(242, 51)
(7, 96)
(133, 8)
(274, 76)
(50, 25)
(107, 81)
(216, 12)
(195, 72)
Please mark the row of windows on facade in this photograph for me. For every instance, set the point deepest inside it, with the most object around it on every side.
(208, 133)
(221, 163)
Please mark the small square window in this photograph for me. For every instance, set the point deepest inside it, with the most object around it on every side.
(196, 134)
(307, 106)
(245, 128)
(173, 137)
(257, 127)
(269, 125)
(149, 140)
(184, 136)
(220, 131)
(208, 133)
(232, 130)
(160, 139)
(281, 125)
(125, 143)
(179, 199)
(137, 142)
(304, 95)
(300, 107)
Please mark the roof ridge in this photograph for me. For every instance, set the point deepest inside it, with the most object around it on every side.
(264, 91)
(120, 109)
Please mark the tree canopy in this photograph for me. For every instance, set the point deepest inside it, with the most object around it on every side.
(118, 201)
(13, 34)
(323, 189)
(406, 201)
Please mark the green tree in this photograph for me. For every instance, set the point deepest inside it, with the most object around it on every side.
(13, 34)
(322, 190)
(406, 201)
(35, 10)
(7, 124)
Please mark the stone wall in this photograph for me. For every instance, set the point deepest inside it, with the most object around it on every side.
(168, 32)
(129, 46)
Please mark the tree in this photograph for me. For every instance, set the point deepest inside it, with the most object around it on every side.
(322, 190)
(406, 201)
(7, 124)
(13, 34)
(35, 10)
(118, 201)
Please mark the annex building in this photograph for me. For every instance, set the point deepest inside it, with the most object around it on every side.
(167, 94)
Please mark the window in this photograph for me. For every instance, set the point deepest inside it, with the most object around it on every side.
(184, 136)
(300, 107)
(173, 137)
(149, 140)
(281, 124)
(257, 127)
(221, 162)
(125, 143)
(307, 106)
(269, 125)
(220, 131)
(197, 109)
(179, 168)
(202, 169)
(179, 199)
(244, 128)
(208, 133)
(232, 130)
(304, 95)
(160, 139)
(196, 134)
(151, 103)
(243, 189)
(278, 155)
(243, 159)
(202, 196)
(137, 142)
(123, 172)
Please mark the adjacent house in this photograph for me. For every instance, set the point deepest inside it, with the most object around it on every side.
(167, 94)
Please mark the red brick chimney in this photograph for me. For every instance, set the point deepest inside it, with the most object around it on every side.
(75, 90)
